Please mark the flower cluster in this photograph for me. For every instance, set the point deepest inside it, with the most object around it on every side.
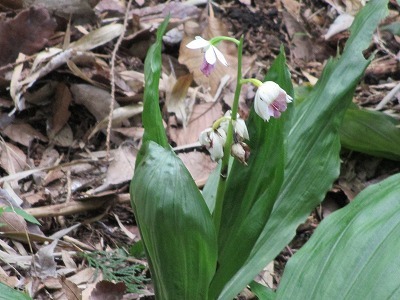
(270, 101)
(214, 138)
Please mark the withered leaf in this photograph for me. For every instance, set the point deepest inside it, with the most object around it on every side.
(28, 32)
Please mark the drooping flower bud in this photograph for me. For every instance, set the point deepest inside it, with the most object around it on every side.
(241, 151)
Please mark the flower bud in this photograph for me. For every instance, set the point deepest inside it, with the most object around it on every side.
(241, 151)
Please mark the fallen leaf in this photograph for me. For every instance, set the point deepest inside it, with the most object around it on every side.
(176, 95)
(341, 23)
(24, 134)
(203, 116)
(27, 33)
(106, 290)
(71, 290)
(12, 158)
(60, 110)
(199, 165)
(43, 263)
(96, 100)
(122, 167)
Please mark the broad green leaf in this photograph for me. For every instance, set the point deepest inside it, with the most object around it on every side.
(261, 291)
(151, 117)
(210, 189)
(367, 131)
(313, 146)
(394, 28)
(371, 132)
(251, 190)
(7, 293)
(175, 225)
(353, 254)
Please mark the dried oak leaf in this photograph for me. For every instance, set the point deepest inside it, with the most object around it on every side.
(28, 32)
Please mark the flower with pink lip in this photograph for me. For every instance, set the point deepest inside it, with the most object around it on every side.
(211, 54)
(270, 100)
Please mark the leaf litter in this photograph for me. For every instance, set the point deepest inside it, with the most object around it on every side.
(55, 104)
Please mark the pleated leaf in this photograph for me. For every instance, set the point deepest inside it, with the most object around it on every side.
(353, 254)
(9, 293)
(151, 116)
(175, 224)
(371, 132)
(313, 146)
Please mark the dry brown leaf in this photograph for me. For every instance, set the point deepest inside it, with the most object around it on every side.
(5, 278)
(70, 289)
(176, 93)
(12, 222)
(303, 48)
(119, 115)
(23, 133)
(27, 33)
(60, 110)
(96, 100)
(66, 8)
(202, 117)
(12, 158)
(87, 275)
(293, 7)
(199, 165)
(43, 263)
(122, 167)
(106, 290)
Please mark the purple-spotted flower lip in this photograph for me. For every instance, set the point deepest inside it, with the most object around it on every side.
(270, 100)
(211, 54)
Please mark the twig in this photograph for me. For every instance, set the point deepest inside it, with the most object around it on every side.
(388, 97)
(113, 56)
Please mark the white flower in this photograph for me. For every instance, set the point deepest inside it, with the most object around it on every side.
(211, 54)
(270, 100)
(214, 141)
(239, 126)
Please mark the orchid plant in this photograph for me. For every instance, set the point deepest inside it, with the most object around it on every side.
(273, 169)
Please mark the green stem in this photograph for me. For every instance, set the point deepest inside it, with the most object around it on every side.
(253, 81)
(217, 39)
(219, 199)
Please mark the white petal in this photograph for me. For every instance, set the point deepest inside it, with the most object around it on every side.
(220, 56)
(210, 56)
(241, 129)
(222, 135)
(261, 107)
(198, 43)
(204, 137)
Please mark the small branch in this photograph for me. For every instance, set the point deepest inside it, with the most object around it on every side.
(388, 97)
(112, 71)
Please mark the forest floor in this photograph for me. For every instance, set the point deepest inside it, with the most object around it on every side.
(62, 164)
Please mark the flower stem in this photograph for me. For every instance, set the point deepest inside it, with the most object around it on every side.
(219, 199)
(217, 39)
